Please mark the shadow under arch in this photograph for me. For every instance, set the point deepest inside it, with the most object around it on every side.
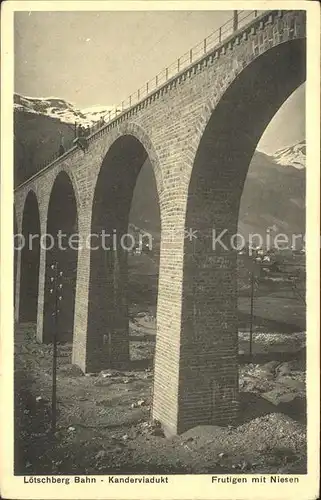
(108, 319)
(62, 218)
(225, 150)
(30, 260)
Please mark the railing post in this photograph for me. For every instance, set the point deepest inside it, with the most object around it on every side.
(146, 87)
(255, 13)
(204, 45)
(166, 74)
(191, 55)
(178, 65)
(156, 80)
(138, 95)
(122, 105)
(220, 35)
(130, 100)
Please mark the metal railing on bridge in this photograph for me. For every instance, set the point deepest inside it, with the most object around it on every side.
(235, 23)
(239, 20)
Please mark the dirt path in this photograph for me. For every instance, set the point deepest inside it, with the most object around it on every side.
(104, 420)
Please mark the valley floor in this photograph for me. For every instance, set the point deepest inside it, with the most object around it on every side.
(104, 420)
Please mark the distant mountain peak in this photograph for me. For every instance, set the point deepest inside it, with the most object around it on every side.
(293, 156)
(60, 109)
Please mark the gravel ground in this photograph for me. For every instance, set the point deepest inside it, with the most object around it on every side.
(104, 421)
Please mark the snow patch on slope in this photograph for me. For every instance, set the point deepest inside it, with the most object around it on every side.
(294, 156)
(62, 110)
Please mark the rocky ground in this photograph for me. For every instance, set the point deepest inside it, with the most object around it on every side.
(104, 421)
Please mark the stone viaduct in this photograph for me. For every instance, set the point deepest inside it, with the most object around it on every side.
(199, 131)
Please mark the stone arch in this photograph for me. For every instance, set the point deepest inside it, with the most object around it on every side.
(30, 259)
(107, 325)
(137, 131)
(74, 183)
(230, 130)
(239, 68)
(62, 218)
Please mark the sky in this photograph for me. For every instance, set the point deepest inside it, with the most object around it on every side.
(100, 58)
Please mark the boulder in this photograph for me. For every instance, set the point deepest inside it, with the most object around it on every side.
(70, 370)
(284, 368)
(276, 396)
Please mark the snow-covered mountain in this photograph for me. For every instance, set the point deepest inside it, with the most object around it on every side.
(294, 156)
(67, 112)
(273, 194)
(61, 109)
